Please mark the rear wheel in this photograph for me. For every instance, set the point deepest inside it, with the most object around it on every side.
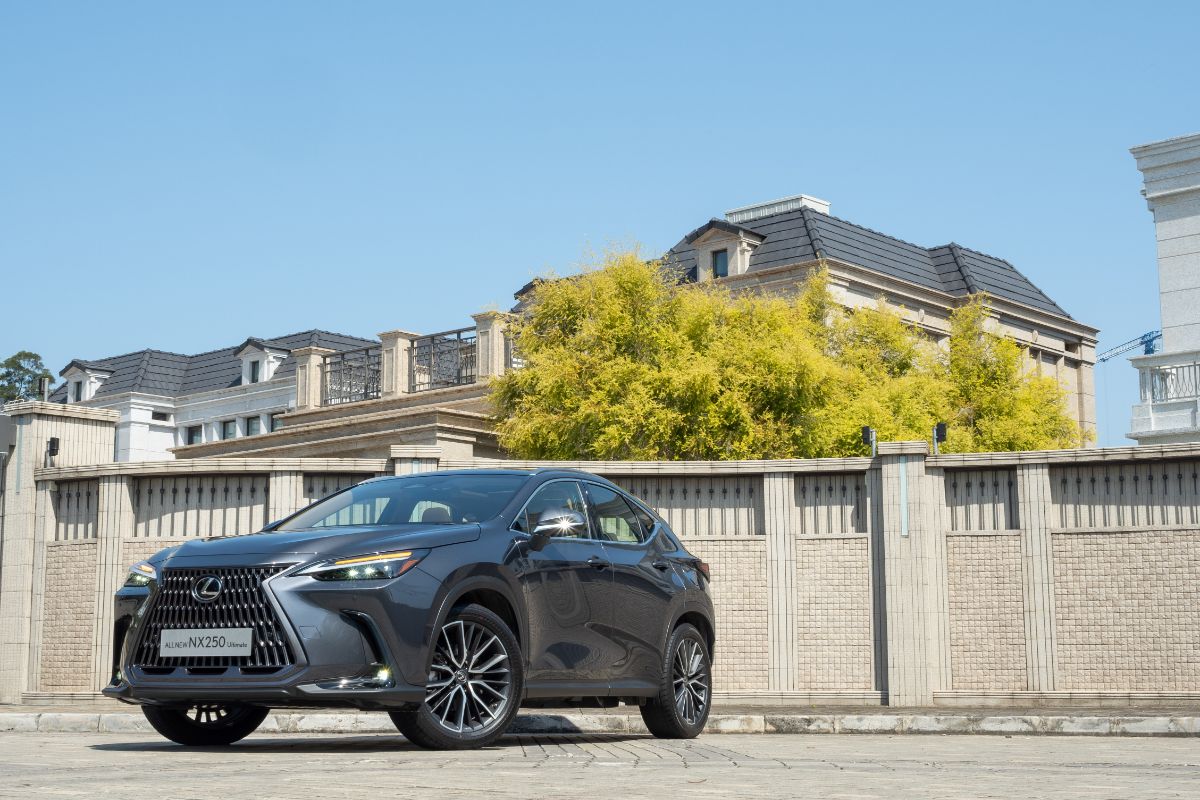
(473, 690)
(681, 707)
(206, 725)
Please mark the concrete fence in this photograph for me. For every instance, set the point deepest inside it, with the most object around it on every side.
(1068, 577)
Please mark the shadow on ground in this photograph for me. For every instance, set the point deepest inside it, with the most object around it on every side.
(376, 743)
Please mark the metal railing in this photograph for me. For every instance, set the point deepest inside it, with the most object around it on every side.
(441, 360)
(351, 376)
(1160, 384)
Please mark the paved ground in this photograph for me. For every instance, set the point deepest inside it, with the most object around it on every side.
(602, 766)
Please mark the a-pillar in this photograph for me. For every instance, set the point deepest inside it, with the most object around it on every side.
(1037, 574)
(910, 582)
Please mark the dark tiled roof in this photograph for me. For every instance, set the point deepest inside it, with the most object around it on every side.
(171, 374)
(804, 235)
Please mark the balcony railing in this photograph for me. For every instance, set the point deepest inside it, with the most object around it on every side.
(441, 360)
(351, 376)
(1161, 384)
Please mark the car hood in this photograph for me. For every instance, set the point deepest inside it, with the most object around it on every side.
(316, 543)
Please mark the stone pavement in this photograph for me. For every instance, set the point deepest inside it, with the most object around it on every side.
(602, 766)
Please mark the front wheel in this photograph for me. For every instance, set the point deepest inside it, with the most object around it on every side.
(206, 725)
(474, 685)
(684, 698)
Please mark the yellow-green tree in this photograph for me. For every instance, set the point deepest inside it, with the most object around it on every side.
(621, 362)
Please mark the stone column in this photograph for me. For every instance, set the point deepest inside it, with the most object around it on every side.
(1037, 574)
(396, 352)
(780, 527)
(308, 376)
(489, 343)
(409, 459)
(114, 520)
(911, 545)
(86, 436)
(285, 494)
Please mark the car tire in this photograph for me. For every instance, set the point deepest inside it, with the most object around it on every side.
(684, 699)
(206, 725)
(474, 687)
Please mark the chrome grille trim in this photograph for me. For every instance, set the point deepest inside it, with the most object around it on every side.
(242, 604)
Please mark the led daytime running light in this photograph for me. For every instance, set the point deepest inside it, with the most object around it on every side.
(346, 562)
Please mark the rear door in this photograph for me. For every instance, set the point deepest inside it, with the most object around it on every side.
(642, 588)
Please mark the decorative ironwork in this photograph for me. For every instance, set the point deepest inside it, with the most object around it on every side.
(1160, 384)
(441, 360)
(351, 376)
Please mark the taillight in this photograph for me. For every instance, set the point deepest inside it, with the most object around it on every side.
(702, 567)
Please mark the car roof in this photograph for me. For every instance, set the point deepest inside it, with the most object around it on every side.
(539, 471)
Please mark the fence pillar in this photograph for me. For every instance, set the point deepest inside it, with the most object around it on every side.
(911, 583)
(114, 519)
(489, 343)
(285, 494)
(309, 361)
(779, 521)
(397, 346)
(409, 459)
(1034, 507)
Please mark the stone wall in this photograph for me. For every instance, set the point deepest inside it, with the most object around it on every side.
(908, 579)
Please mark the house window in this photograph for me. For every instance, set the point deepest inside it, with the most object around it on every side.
(194, 434)
(253, 424)
(255, 367)
(229, 429)
(275, 421)
(160, 416)
(77, 392)
(720, 263)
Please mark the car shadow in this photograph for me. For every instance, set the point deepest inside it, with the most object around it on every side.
(374, 743)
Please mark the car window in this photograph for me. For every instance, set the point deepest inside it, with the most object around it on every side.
(555, 496)
(644, 517)
(614, 518)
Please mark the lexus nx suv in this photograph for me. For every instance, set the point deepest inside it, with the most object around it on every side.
(448, 599)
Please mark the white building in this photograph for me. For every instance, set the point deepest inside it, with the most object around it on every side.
(1170, 379)
(168, 400)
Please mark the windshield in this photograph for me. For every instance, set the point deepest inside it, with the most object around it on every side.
(418, 500)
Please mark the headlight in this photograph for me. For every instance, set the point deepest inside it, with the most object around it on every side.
(377, 567)
(140, 574)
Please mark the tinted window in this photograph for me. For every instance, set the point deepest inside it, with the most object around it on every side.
(614, 517)
(556, 496)
(420, 499)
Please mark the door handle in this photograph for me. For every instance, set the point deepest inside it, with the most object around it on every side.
(597, 562)
(661, 566)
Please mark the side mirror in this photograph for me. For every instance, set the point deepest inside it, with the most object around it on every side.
(556, 522)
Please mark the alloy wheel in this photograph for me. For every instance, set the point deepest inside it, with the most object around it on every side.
(689, 674)
(209, 716)
(470, 683)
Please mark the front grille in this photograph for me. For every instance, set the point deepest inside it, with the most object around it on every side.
(242, 604)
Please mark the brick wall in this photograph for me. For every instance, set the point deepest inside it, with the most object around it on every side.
(987, 629)
(68, 616)
(739, 570)
(833, 620)
(1128, 610)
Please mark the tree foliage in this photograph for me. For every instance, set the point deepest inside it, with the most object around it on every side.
(19, 374)
(622, 362)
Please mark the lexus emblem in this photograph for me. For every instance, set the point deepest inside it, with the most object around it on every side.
(208, 588)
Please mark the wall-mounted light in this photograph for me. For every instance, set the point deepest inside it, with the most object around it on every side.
(868, 437)
(939, 436)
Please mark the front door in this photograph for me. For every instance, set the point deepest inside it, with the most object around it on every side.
(567, 586)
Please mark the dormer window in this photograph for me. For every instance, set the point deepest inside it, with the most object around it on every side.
(259, 361)
(76, 391)
(720, 263)
(255, 370)
(83, 379)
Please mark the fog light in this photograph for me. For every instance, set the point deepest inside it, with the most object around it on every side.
(379, 678)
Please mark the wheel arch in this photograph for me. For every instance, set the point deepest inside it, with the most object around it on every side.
(695, 617)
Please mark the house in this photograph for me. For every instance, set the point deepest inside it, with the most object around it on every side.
(169, 400)
(772, 247)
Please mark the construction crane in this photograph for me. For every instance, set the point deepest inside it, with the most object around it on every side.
(1147, 341)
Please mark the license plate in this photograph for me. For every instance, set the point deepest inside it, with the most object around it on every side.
(206, 642)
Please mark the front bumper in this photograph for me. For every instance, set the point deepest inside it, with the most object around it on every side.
(337, 631)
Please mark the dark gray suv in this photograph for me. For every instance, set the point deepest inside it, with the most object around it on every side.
(448, 599)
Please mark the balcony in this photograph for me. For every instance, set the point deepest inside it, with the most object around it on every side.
(1167, 383)
(442, 360)
(351, 376)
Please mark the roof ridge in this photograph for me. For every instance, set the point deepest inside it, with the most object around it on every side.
(313, 331)
(814, 235)
(961, 265)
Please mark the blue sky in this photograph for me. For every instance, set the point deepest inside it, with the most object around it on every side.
(183, 176)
